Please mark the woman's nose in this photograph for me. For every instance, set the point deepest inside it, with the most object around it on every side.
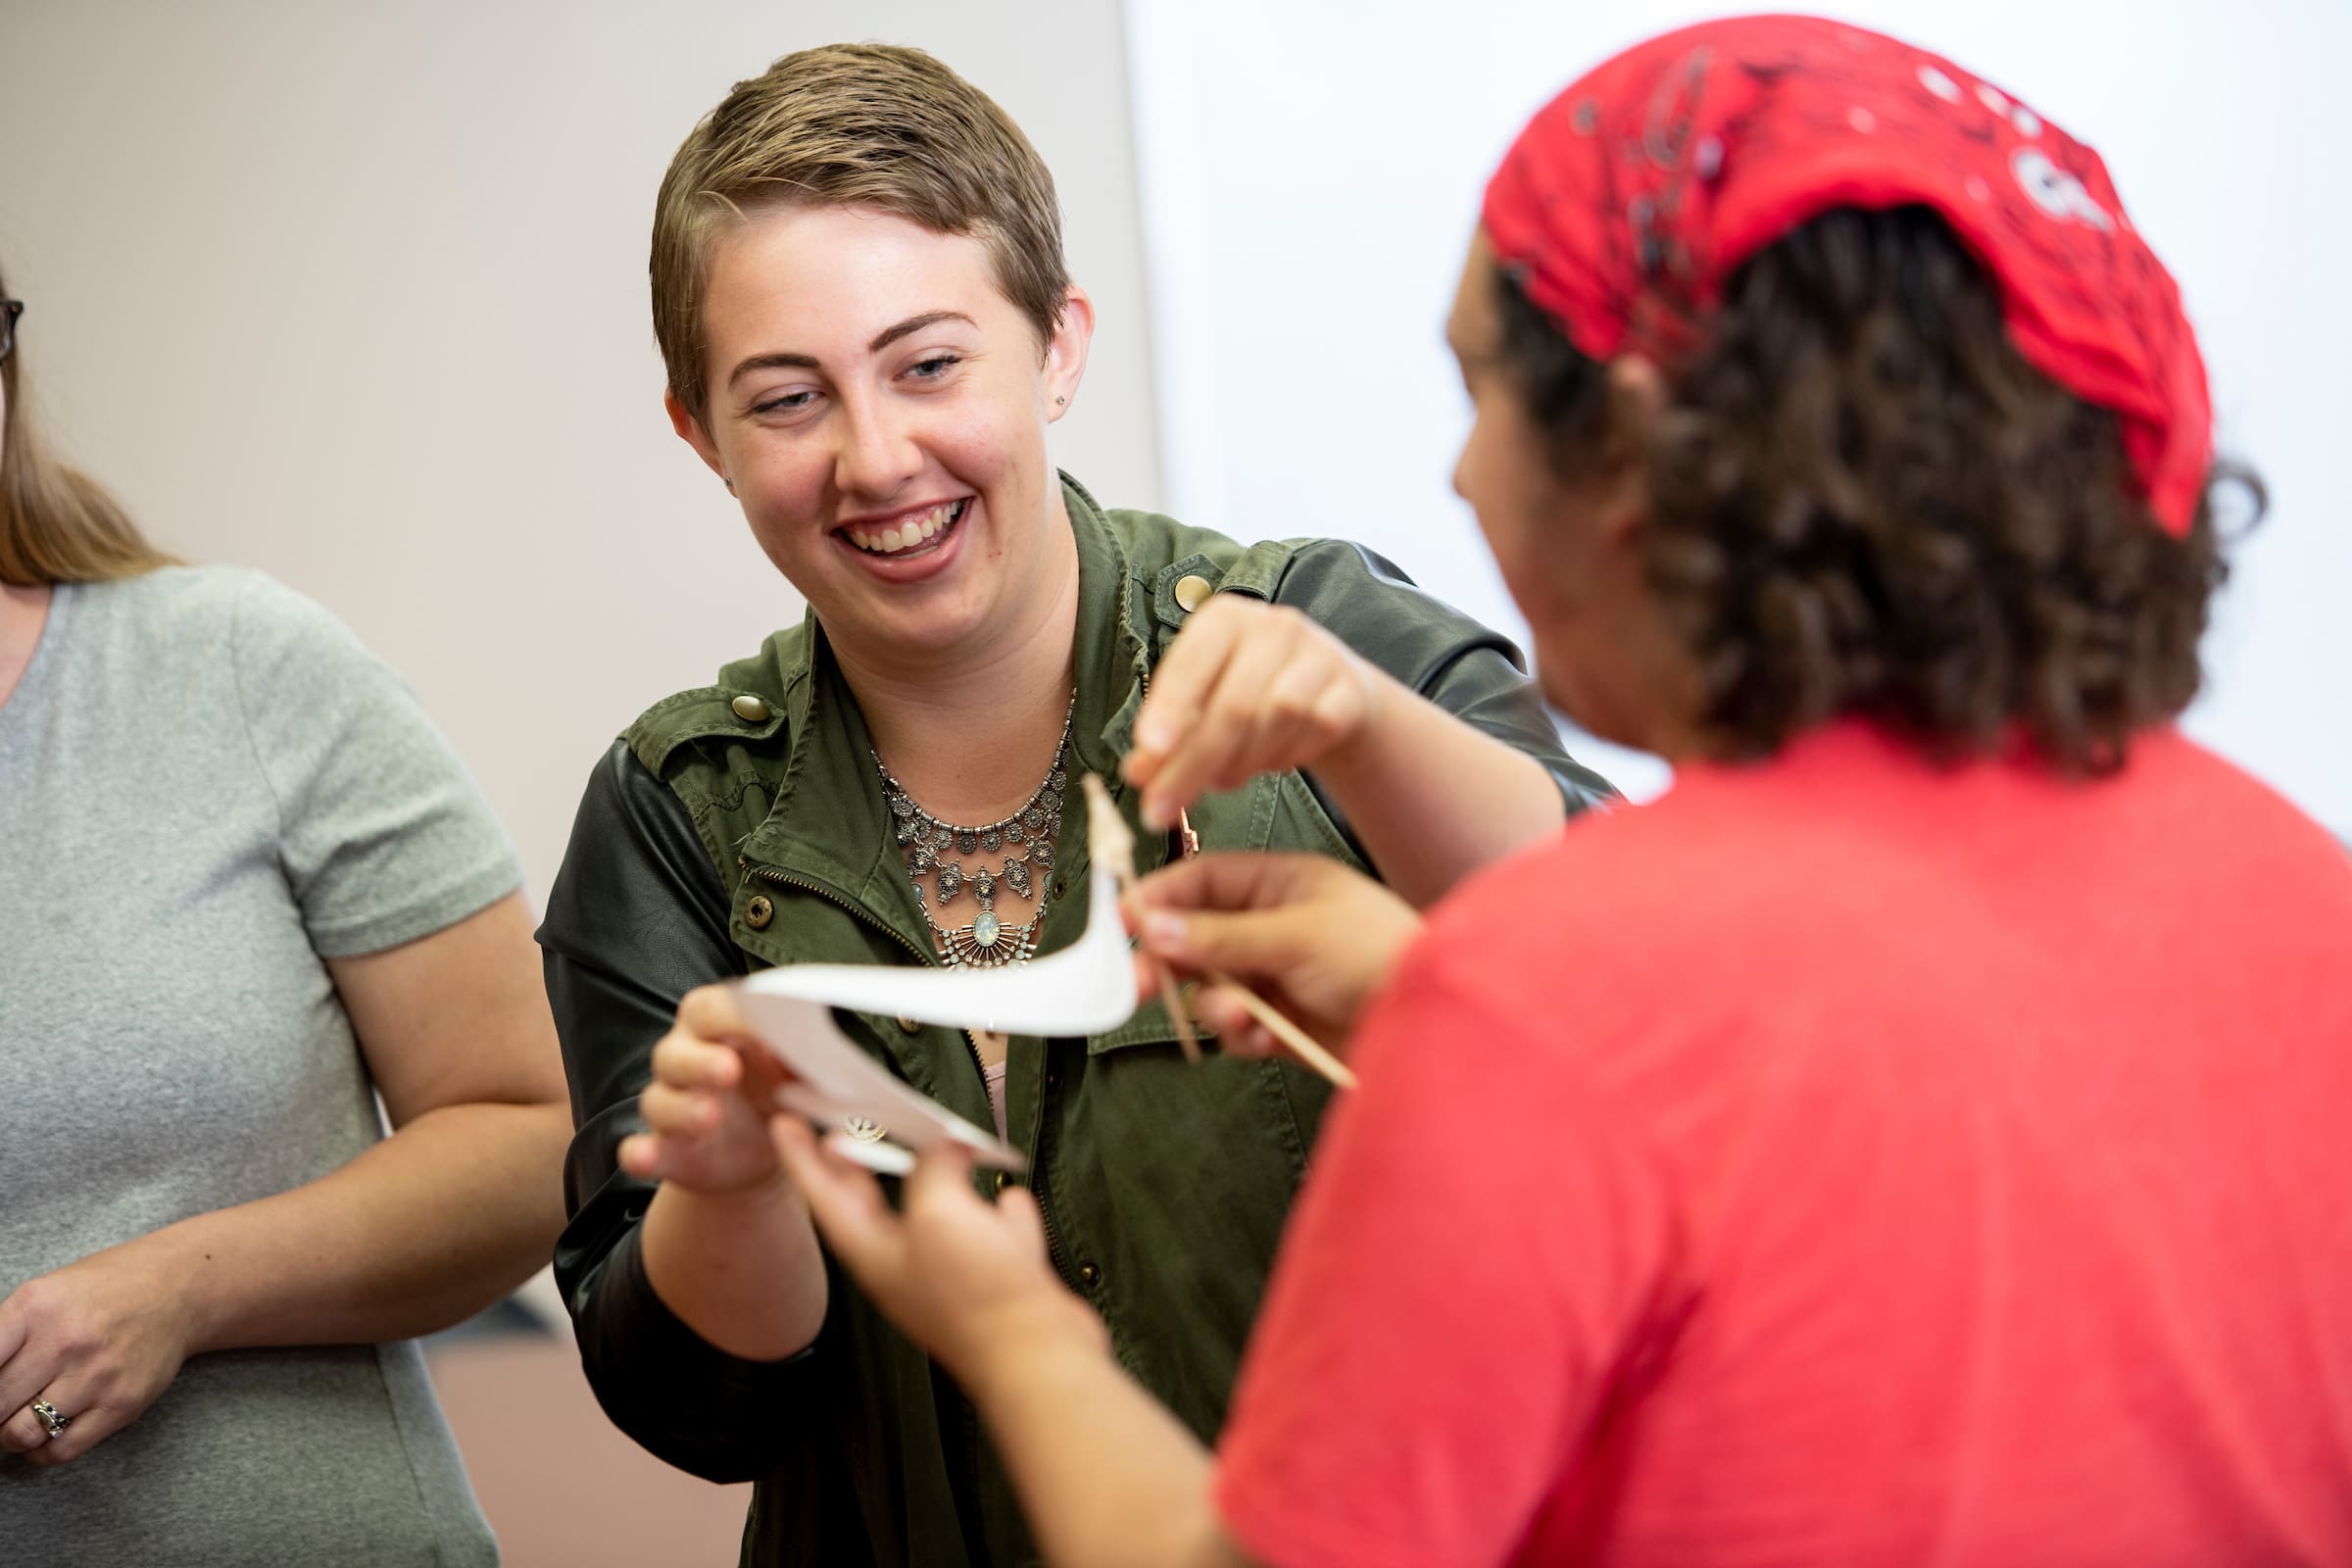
(877, 454)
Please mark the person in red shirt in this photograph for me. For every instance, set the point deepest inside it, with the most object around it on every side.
(1917, 1137)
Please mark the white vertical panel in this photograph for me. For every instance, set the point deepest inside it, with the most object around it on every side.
(1311, 174)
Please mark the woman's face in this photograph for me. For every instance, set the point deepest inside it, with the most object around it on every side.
(880, 408)
(1566, 552)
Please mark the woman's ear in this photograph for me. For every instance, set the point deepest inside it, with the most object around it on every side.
(690, 430)
(1066, 352)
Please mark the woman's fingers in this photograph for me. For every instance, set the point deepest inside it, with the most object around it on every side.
(1180, 686)
(763, 1075)
(1213, 1009)
(712, 1090)
(843, 1200)
(1269, 943)
(710, 1050)
(28, 1324)
(713, 1013)
(89, 1421)
(1018, 1209)
(678, 1112)
(679, 1119)
(1220, 1009)
(683, 1061)
(941, 1183)
(1214, 739)
(1311, 704)
(74, 1388)
(22, 1432)
(1233, 880)
(1247, 688)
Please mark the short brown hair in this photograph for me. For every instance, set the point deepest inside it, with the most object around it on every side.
(56, 524)
(854, 126)
(1864, 500)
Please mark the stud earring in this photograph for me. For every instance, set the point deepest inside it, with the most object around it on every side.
(1061, 400)
(730, 484)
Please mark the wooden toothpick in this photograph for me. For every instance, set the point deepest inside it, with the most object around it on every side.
(1302, 1045)
(1113, 846)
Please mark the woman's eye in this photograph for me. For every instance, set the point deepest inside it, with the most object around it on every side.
(789, 403)
(933, 369)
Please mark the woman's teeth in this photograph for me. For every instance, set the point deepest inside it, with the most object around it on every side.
(907, 532)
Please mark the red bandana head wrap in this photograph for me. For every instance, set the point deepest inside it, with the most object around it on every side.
(1628, 200)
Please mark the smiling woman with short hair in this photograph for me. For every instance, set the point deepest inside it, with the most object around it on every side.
(869, 332)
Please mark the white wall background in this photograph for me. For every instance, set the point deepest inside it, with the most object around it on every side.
(1311, 172)
(356, 293)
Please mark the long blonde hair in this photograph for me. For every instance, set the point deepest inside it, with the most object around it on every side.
(56, 523)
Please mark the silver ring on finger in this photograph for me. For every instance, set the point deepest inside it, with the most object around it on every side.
(51, 1421)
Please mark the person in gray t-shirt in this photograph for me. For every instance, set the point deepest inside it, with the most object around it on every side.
(245, 889)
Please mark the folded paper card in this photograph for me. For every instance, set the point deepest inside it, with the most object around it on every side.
(1085, 989)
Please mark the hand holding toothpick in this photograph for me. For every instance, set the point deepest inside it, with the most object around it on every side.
(1310, 941)
(1324, 935)
(1302, 1045)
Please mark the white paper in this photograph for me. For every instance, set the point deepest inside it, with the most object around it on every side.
(1085, 989)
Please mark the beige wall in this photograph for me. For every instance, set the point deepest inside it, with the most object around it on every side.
(356, 293)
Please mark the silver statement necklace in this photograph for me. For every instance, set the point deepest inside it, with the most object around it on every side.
(955, 859)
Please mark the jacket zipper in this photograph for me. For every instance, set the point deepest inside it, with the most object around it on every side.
(971, 1043)
(1055, 1254)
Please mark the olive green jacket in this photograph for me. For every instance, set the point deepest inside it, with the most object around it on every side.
(740, 825)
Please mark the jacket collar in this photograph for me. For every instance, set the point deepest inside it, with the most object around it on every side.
(829, 827)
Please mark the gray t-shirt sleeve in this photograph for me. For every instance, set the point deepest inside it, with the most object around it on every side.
(383, 835)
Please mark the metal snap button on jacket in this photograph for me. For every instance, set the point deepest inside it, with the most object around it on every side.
(757, 911)
(1191, 592)
(750, 709)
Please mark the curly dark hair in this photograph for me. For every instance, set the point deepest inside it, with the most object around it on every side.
(1864, 500)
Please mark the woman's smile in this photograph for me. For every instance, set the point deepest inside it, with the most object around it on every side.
(910, 546)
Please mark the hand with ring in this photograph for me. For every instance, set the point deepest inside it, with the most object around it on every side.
(87, 1348)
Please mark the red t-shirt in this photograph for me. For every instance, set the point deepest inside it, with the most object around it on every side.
(1839, 1162)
